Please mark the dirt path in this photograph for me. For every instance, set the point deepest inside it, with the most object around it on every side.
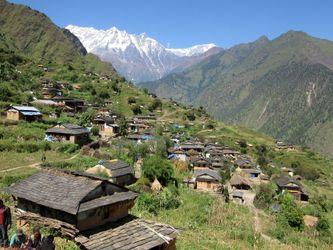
(34, 165)
(258, 227)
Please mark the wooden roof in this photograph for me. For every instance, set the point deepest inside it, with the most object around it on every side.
(130, 233)
(61, 190)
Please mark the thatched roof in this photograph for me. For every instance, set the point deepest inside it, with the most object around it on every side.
(156, 185)
(237, 180)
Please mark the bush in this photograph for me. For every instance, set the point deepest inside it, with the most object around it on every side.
(159, 168)
(307, 172)
(153, 202)
(24, 147)
(95, 131)
(290, 214)
(155, 105)
(242, 143)
(131, 100)
(264, 196)
(136, 109)
(190, 115)
(323, 225)
(68, 148)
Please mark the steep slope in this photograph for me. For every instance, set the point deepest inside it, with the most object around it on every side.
(34, 34)
(138, 57)
(282, 87)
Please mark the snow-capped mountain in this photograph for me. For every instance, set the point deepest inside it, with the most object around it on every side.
(138, 57)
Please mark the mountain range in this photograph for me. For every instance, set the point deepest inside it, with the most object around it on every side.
(283, 87)
(138, 57)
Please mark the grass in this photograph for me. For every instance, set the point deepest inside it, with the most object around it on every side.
(10, 159)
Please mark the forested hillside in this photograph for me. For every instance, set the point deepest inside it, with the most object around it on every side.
(282, 87)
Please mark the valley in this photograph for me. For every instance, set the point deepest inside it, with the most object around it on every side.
(225, 151)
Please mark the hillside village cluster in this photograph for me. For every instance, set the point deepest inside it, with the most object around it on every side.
(93, 210)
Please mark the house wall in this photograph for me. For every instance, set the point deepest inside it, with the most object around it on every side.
(30, 206)
(13, 115)
(123, 180)
(79, 139)
(207, 185)
(100, 216)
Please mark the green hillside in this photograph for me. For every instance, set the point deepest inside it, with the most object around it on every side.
(281, 87)
(34, 34)
(204, 221)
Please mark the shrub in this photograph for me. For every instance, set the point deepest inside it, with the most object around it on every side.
(323, 225)
(190, 115)
(136, 109)
(159, 168)
(153, 202)
(242, 143)
(131, 100)
(155, 105)
(68, 148)
(95, 131)
(148, 202)
(290, 213)
(307, 172)
(264, 196)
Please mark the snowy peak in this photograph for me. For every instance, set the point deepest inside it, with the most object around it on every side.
(137, 57)
(194, 50)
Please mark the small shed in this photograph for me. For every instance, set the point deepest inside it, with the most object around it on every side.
(68, 133)
(26, 113)
(118, 171)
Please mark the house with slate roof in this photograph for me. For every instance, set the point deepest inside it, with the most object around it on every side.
(119, 172)
(294, 187)
(89, 209)
(68, 133)
(207, 180)
(26, 113)
(83, 200)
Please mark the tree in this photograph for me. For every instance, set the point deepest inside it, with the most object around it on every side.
(242, 143)
(122, 126)
(290, 213)
(131, 100)
(136, 109)
(225, 174)
(190, 115)
(159, 168)
(155, 105)
(264, 196)
(103, 94)
(95, 130)
(87, 117)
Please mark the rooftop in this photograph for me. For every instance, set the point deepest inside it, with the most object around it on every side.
(130, 233)
(65, 190)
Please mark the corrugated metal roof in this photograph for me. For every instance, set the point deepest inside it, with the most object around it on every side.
(25, 108)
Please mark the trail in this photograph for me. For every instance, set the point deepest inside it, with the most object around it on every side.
(34, 165)
(258, 227)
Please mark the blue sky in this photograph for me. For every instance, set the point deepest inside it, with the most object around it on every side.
(182, 23)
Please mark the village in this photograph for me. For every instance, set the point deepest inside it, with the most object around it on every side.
(149, 153)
